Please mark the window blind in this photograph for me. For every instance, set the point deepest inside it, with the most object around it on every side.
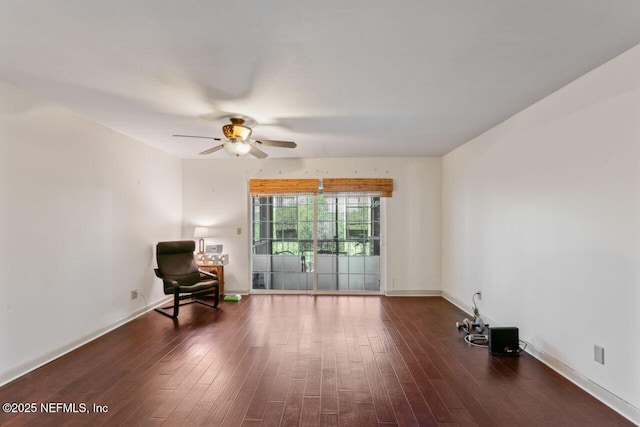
(373, 187)
(271, 187)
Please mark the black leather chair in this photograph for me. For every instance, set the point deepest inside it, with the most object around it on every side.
(181, 277)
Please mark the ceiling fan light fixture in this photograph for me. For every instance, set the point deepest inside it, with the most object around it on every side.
(237, 141)
(236, 130)
(237, 148)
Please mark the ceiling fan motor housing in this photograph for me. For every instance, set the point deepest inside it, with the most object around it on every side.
(236, 130)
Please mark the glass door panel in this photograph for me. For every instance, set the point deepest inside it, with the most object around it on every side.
(344, 256)
(348, 243)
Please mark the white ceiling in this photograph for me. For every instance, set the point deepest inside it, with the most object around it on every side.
(342, 78)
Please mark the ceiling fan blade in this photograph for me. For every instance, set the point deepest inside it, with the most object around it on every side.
(212, 150)
(272, 143)
(258, 153)
(194, 136)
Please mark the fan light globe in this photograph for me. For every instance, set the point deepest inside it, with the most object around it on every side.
(238, 148)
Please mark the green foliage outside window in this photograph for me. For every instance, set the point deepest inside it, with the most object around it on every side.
(346, 225)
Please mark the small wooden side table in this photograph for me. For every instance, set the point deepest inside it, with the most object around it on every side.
(216, 269)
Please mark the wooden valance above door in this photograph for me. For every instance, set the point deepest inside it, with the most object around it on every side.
(374, 187)
(270, 187)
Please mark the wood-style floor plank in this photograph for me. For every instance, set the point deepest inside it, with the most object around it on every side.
(273, 414)
(293, 404)
(310, 411)
(274, 360)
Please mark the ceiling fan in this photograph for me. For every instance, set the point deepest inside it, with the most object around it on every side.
(238, 142)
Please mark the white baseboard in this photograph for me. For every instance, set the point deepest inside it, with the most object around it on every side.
(455, 301)
(468, 309)
(310, 291)
(238, 291)
(31, 365)
(619, 405)
(430, 293)
(277, 292)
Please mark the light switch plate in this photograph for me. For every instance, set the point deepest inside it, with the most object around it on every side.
(598, 354)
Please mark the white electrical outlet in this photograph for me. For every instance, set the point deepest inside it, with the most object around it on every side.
(134, 294)
(598, 354)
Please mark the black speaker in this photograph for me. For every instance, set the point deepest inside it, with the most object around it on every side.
(504, 341)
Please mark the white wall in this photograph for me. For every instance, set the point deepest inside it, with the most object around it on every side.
(81, 208)
(215, 195)
(542, 213)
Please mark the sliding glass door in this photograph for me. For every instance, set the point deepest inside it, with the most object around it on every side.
(282, 249)
(316, 243)
(348, 244)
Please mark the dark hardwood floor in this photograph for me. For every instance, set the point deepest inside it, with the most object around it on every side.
(292, 360)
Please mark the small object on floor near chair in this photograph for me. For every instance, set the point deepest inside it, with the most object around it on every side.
(232, 297)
